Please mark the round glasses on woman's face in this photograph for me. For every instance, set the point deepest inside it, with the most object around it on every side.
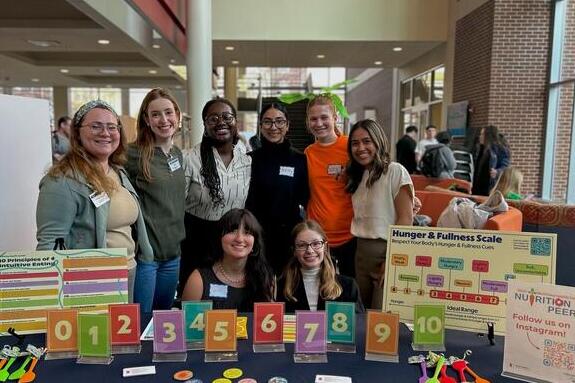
(98, 127)
(214, 119)
(280, 123)
(315, 245)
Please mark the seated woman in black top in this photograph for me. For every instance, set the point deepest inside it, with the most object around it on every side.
(240, 275)
(310, 277)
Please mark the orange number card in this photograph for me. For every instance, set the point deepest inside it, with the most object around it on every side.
(125, 323)
(62, 330)
(382, 333)
(220, 332)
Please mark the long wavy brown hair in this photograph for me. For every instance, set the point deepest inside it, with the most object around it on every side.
(81, 165)
(145, 140)
(329, 288)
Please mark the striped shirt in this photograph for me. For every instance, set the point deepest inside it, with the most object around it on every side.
(234, 181)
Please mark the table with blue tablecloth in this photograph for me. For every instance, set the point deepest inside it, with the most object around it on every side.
(486, 360)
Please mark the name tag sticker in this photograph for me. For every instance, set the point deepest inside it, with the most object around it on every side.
(174, 164)
(334, 169)
(287, 171)
(218, 291)
(99, 199)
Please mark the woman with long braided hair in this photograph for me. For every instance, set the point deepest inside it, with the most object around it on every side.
(217, 180)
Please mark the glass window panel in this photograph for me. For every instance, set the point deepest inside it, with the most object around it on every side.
(421, 89)
(563, 137)
(136, 97)
(406, 94)
(438, 76)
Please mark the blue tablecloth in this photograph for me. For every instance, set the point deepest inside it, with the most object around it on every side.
(486, 360)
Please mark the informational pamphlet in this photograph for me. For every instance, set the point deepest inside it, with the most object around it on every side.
(468, 271)
(540, 336)
(35, 281)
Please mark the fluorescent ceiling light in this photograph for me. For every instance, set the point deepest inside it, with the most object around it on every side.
(104, 42)
(64, 70)
(109, 71)
(378, 62)
(235, 62)
(320, 56)
(156, 46)
(44, 43)
(152, 71)
(229, 48)
(35, 79)
(397, 49)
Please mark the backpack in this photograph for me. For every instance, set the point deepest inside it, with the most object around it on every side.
(431, 163)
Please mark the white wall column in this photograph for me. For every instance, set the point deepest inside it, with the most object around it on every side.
(199, 62)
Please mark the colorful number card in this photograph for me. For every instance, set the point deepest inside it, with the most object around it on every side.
(94, 338)
(310, 332)
(125, 323)
(194, 314)
(429, 328)
(381, 336)
(340, 322)
(220, 331)
(268, 322)
(62, 332)
(169, 332)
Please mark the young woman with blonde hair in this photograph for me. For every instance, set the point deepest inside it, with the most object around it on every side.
(509, 183)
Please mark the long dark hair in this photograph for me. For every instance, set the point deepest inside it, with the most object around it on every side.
(259, 275)
(209, 171)
(381, 160)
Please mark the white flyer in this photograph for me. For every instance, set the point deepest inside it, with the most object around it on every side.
(540, 333)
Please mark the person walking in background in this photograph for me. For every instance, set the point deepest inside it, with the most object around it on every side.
(405, 149)
(438, 160)
(87, 198)
(329, 203)
(382, 195)
(155, 168)
(61, 138)
(217, 175)
(430, 132)
(279, 185)
(310, 278)
(491, 158)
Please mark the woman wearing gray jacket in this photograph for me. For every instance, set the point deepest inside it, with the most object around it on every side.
(86, 199)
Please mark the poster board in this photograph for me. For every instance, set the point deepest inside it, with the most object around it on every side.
(540, 333)
(467, 270)
(35, 281)
(457, 118)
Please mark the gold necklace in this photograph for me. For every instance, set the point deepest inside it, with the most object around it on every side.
(228, 278)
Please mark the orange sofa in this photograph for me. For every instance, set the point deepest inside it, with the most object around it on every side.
(420, 182)
(434, 202)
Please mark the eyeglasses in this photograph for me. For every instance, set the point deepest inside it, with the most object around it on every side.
(214, 119)
(280, 123)
(315, 245)
(98, 127)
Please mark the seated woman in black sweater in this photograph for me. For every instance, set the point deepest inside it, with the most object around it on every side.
(240, 275)
(310, 277)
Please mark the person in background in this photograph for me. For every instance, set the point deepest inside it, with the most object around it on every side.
(382, 195)
(310, 278)
(447, 163)
(279, 185)
(509, 183)
(240, 275)
(430, 132)
(490, 158)
(61, 138)
(405, 149)
(329, 203)
(419, 219)
(87, 198)
(155, 168)
(217, 179)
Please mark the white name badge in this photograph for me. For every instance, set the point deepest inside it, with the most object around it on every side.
(334, 169)
(99, 199)
(287, 171)
(174, 164)
(218, 291)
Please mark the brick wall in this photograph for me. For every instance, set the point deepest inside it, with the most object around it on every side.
(472, 62)
(500, 67)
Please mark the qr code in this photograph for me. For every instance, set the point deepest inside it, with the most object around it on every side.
(559, 355)
(541, 246)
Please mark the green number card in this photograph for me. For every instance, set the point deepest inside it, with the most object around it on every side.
(429, 325)
(340, 322)
(194, 316)
(94, 335)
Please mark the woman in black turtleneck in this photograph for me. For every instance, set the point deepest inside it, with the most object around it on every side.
(278, 185)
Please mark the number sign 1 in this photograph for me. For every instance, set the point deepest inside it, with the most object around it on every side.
(125, 323)
(94, 332)
(310, 332)
(268, 322)
(169, 332)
